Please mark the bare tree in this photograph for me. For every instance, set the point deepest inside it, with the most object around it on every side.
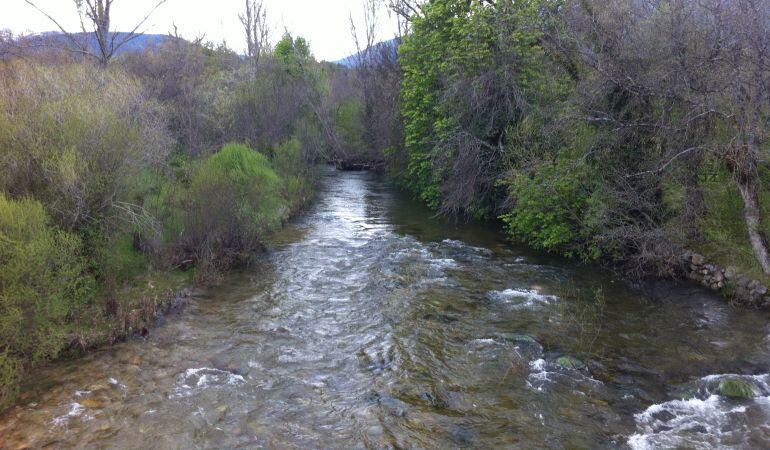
(96, 18)
(256, 28)
(406, 11)
(365, 43)
(377, 78)
(8, 45)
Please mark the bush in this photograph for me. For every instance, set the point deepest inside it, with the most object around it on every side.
(233, 200)
(291, 162)
(73, 137)
(552, 208)
(42, 283)
(349, 119)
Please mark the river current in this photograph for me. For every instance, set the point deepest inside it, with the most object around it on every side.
(372, 324)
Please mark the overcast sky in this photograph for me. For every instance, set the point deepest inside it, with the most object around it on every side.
(325, 23)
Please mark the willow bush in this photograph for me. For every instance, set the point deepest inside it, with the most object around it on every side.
(74, 137)
(232, 199)
(43, 283)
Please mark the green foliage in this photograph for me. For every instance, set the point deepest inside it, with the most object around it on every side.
(552, 208)
(426, 56)
(294, 53)
(119, 260)
(471, 69)
(724, 237)
(247, 177)
(94, 206)
(42, 283)
(290, 161)
(10, 376)
(73, 138)
(350, 125)
(233, 200)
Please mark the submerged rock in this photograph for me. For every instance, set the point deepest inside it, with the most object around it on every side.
(737, 388)
(93, 403)
(525, 344)
(570, 362)
(516, 338)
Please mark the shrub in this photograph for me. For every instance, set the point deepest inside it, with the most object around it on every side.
(42, 283)
(291, 163)
(73, 137)
(234, 198)
(350, 126)
(552, 208)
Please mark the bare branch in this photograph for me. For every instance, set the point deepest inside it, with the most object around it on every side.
(99, 14)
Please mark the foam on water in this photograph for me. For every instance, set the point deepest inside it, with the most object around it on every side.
(453, 243)
(192, 381)
(538, 373)
(76, 410)
(522, 298)
(708, 420)
(545, 373)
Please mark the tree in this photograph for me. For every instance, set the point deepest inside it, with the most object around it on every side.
(96, 18)
(294, 53)
(406, 11)
(471, 70)
(378, 78)
(254, 21)
(690, 76)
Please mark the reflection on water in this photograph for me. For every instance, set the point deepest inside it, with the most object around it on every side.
(373, 324)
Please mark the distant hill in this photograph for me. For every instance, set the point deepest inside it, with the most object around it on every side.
(141, 43)
(387, 49)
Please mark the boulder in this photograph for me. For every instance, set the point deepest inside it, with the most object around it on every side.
(697, 259)
(737, 388)
(570, 362)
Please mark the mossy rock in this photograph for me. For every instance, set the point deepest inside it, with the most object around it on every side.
(516, 338)
(570, 362)
(737, 388)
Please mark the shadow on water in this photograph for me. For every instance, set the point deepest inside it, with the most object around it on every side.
(372, 323)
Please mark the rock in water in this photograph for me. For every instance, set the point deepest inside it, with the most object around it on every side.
(570, 363)
(737, 388)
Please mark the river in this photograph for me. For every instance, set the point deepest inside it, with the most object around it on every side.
(372, 324)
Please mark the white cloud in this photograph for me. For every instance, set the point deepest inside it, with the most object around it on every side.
(325, 23)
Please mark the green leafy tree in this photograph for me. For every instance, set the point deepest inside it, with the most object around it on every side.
(471, 69)
(294, 53)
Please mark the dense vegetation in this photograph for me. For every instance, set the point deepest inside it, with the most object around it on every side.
(124, 178)
(613, 131)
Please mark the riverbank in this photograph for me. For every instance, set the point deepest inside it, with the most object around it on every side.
(130, 310)
(741, 290)
(115, 313)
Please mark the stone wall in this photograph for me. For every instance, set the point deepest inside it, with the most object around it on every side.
(738, 288)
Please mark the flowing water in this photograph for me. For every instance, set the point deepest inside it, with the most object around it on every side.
(372, 324)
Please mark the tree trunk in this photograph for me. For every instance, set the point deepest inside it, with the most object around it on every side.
(752, 215)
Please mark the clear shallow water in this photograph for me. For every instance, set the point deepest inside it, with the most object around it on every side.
(371, 324)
